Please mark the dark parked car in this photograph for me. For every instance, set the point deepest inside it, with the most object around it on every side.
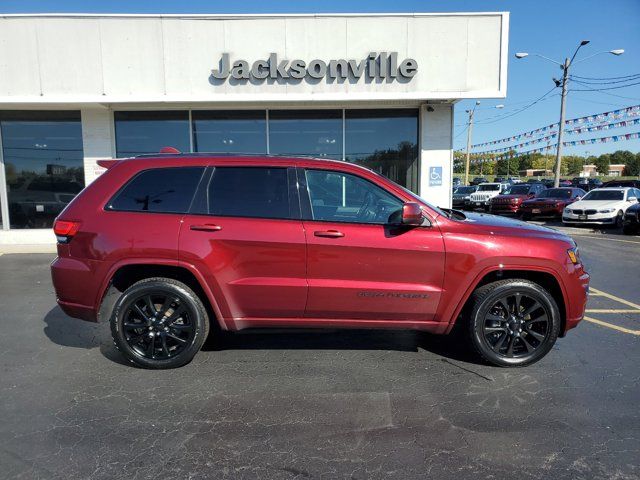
(511, 199)
(478, 180)
(551, 202)
(168, 248)
(586, 184)
(631, 222)
(622, 183)
(462, 195)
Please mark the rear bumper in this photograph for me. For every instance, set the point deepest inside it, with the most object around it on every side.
(75, 310)
(75, 284)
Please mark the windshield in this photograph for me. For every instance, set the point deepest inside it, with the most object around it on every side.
(604, 195)
(555, 193)
(518, 190)
(465, 190)
(488, 188)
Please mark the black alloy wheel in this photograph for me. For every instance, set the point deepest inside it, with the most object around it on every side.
(159, 323)
(514, 322)
(515, 325)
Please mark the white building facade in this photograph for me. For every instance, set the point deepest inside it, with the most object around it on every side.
(377, 90)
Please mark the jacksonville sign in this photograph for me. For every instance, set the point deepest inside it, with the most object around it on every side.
(376, 65)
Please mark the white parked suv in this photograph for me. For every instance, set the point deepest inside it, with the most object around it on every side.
(486, 191)
(604, 206)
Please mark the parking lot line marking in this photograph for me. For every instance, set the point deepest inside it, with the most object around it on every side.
(605, 310)
(617, 299)
(605, 237)
(611, 325)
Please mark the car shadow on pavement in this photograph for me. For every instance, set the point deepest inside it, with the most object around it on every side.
(448, 346)
(70, 332)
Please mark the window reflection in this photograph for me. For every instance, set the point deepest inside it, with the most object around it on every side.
(385, 141)
(316, 133)
(229, 132)
(43, 160)
(143, 132)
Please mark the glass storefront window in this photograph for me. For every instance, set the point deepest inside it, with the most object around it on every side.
(385, 141)
(306, 132)
(241, 131)
(43, 160)
(143, 132)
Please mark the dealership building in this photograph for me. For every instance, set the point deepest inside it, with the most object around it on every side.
(374, 89)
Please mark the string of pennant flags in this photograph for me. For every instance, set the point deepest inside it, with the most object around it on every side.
(574, 131)
(632, 111)
(573, 143)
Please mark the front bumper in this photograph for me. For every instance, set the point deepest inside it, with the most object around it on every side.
(595, 218)
(504, 208)
(541, 211)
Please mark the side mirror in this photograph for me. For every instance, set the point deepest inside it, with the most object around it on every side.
(412, 214)
(578, 198)
(632, 199)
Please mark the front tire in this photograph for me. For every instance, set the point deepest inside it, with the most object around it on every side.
(159, 323)
(513, 322)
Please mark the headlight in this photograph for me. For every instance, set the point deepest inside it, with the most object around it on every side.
(567, 210)
(467, 197)
(607, 210)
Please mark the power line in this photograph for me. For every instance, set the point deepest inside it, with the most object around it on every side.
(605, 78)
(503, 117)
(600, 89)
(608, 82)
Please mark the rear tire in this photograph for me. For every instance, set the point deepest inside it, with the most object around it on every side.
(159, 323)
(512, 322)
(526, 217)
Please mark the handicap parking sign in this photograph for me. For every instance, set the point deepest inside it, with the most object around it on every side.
(435, 176)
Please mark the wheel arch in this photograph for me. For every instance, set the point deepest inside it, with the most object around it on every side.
(123, 275)
(547, 279)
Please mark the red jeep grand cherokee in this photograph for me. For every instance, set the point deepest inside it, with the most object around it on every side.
(164, 246)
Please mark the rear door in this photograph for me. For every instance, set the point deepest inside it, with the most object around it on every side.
(245, 235)
(359, 265)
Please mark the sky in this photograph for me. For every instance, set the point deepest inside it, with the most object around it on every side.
(550, 28)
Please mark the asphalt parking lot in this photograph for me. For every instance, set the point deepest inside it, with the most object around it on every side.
(330, 404)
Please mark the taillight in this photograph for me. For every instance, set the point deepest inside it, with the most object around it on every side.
(65, 230)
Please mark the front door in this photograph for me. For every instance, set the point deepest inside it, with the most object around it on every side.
(245, 234)
(359, 265)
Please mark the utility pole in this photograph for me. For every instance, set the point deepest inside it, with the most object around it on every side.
(565, 79)
(469, 132)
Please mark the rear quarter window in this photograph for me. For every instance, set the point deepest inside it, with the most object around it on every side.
(160, 190)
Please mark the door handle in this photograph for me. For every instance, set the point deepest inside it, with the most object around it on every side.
(207, 227)
(328, 233)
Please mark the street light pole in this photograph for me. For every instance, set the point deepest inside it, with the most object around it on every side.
(565, 78)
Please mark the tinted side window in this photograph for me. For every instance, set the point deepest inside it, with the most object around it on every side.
(260, 192)
(167, 190)
(341, 197)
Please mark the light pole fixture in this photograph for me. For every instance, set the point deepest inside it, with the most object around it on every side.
(568, 62)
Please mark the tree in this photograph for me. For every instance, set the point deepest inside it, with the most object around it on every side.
(573, 164)
(602, 163)
(633, 167)
(508, 166)
(622, 157)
